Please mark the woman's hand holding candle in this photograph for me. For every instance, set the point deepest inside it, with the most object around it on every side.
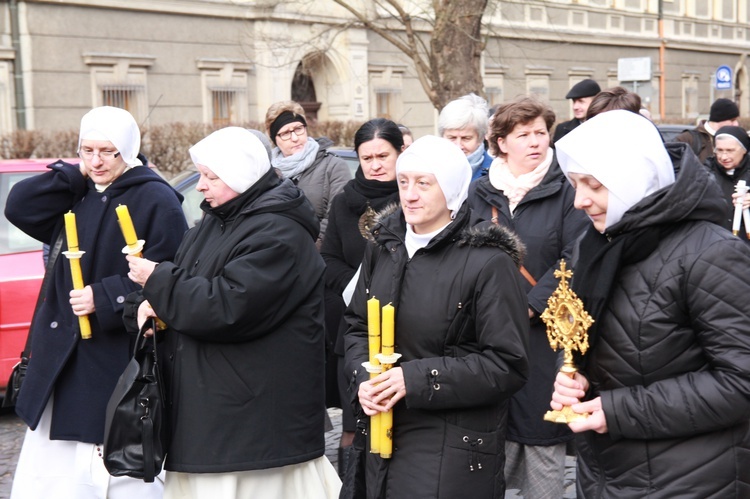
(382, 392)
(140, 269)
(82, 301)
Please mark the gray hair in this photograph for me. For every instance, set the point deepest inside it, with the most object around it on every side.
(466, 111)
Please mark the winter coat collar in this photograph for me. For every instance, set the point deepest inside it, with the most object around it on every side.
(269, 194)
(134, 176)
(389, 230)
(549, 186)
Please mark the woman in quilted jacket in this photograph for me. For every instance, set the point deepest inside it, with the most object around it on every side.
(666, 381)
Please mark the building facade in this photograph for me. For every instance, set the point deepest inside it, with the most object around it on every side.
(226, 61)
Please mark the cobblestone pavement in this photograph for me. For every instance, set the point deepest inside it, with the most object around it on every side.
(12, 431)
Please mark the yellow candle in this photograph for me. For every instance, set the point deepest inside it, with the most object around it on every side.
(128, 230)
(386, 418)
(373, 328)
(388, 336)
(74, 257)
(373, 336)
(70, 231)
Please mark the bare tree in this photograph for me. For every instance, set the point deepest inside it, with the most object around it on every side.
(444, 41)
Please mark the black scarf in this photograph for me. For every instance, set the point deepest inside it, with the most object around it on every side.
(599, 262)
(361, 193)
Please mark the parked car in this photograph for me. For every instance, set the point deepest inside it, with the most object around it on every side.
(348, 155)
(21, 269)
(185, 182)
(670, 131)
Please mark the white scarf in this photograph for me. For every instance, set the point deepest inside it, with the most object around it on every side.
(292, 166)
(516, 187)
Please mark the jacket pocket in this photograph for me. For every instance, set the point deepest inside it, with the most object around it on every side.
(470, 463)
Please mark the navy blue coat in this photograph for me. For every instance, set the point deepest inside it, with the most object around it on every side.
(82, 373)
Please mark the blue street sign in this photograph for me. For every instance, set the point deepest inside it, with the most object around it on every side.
(724, 78)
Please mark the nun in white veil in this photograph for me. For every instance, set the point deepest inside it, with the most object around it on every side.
(666, 380)
(70, 380)
(461, 326)
(243, 302)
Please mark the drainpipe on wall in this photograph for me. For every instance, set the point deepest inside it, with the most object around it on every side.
(17, 66)
(662, 75)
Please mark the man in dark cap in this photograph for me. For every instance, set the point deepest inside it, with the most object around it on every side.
(724, 112)
(730, 165)
(582, 93)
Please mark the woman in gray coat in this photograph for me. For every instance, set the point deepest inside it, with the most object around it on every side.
(319, 174)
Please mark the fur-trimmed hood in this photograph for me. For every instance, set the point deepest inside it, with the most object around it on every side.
(485, 234)
(488, 234)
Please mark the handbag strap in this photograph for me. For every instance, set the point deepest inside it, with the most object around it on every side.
(527, 275)
(147, 421)
(54, 251)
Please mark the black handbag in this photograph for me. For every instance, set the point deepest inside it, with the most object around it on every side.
(15, 380)
(353, 484)
(135, 428)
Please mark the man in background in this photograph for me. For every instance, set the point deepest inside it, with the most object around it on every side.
(582, 93)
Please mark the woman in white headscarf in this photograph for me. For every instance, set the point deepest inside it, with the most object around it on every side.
(666, 379)
(461, 328)
(69, 380)
(243, 302)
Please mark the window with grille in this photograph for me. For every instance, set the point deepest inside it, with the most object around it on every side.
(225, 106)
(385, 103)
(122, 96)
(225, 88)
(120, 80)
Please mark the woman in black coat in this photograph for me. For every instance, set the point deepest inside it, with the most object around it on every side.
(243, 302)
(378, 143)
(666, 379)
(460, 326)
(526, 191)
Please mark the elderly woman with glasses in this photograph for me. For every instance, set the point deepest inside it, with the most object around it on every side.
(730, 164)
(304, 160)
(69, 379)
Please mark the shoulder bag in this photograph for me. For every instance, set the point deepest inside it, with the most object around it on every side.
(135, 428)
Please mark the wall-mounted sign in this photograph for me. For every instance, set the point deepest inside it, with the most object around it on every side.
(724, 78)
(634, 69)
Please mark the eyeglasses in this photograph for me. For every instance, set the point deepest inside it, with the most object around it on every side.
(723, 152)
(103, 155)
(298, 130)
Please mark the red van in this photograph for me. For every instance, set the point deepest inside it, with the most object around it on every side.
(21, 269)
